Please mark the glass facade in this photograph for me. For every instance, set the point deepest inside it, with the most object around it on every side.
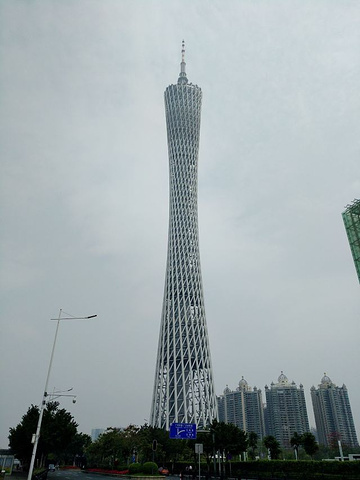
(351, 218)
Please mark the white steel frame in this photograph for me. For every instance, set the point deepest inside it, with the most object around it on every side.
(183, 387)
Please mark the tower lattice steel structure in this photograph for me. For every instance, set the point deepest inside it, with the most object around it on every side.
(183, 387)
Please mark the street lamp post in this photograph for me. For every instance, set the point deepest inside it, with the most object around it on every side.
(43, 403)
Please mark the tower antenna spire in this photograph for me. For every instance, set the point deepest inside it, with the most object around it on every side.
(182, 76)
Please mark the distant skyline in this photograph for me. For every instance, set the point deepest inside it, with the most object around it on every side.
(84, 195)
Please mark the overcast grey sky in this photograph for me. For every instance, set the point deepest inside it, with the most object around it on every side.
(84, 194)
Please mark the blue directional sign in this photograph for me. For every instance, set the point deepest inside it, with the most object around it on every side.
(182, 430)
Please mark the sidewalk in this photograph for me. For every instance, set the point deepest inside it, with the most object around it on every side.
(16, 475)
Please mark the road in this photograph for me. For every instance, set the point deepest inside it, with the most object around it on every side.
(74, 475)
(79, 475)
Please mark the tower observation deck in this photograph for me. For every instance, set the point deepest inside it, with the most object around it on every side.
(183, 387)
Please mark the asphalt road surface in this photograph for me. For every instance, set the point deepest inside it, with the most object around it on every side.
(79, 475)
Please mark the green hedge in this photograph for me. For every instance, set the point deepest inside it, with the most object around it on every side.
(281, 469)
(150, 468)
(311, 470)
(147, 468)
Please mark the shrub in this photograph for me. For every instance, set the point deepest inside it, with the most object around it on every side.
(135, 468)
(121, 467)
(149, 468)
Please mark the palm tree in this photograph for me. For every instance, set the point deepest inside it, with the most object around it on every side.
(296, 441)
(253, 444)
(273, 446)
(309, 443)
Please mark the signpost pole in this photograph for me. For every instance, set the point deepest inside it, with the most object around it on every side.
(199, 448)
(199, 465)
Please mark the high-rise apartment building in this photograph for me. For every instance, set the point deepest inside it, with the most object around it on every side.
(351, 218)
(243, 408)
(332, 411)
(183, 387)
(96, 432)
(285, 410)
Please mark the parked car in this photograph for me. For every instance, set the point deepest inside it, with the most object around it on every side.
(163, 471)
(51, 467)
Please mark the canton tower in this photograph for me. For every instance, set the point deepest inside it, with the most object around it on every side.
(183, 387)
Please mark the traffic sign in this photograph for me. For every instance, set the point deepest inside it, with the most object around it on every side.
(199, 448)
(182, 430)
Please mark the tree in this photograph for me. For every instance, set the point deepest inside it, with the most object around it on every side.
(131, 442)
(206, 439)
(21, 435)
(229, 439)
(108, 450)
(117, 447)
(75, 451)
(309, 444)
(167, 449)
(253, 444)
(58, 429)
(296, 441)
(273, 446)
(333, 439)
